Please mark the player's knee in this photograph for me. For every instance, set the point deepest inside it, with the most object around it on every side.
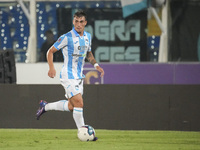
(77, 101)
(70, 107)
(78, 104)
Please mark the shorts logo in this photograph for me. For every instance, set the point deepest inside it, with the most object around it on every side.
(77, 87)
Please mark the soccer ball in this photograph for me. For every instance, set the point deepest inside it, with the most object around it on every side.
(86, 133)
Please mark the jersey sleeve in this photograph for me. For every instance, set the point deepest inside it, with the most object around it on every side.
(90, 41)
(61, 42)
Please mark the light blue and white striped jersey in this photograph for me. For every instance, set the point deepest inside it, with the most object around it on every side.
(74, 48)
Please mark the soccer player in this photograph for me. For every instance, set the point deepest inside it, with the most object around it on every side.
(75, 46)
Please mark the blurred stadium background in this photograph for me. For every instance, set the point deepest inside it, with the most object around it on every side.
(154, 53)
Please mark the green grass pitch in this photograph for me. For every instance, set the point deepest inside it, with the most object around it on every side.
(51, 139)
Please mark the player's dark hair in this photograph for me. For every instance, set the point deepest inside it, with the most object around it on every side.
(80, 13)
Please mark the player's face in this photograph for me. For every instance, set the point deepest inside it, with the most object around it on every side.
(79, 24)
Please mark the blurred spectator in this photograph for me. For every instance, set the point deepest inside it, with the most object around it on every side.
(46, 45)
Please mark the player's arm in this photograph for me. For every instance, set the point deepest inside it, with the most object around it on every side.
(92, 60)
(50, 52)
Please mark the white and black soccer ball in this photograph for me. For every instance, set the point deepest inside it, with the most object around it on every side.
(86, 133)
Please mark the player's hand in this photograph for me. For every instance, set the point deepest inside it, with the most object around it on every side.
(100, 70)
(52, 73)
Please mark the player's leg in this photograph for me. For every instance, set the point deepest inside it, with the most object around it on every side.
(62, 105)
(77, 103)
(74, 93)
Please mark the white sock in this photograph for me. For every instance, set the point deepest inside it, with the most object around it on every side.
(61, 105)
(78, 116)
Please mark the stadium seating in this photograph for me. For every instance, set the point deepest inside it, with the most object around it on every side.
(15, 26)
(153, 47)
(7, 67)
